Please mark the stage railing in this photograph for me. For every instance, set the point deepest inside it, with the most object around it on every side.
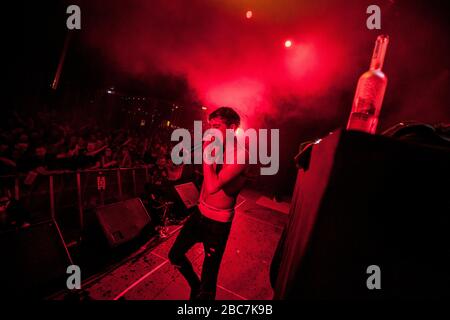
(67, 195)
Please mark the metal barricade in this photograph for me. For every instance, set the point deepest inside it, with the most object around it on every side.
(66, 195)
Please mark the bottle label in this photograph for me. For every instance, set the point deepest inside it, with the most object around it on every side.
(362, 122)
(365, 106)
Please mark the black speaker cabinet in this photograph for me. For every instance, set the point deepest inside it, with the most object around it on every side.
(365, 201)
(33, 261)
(188, 193)
(122, 221)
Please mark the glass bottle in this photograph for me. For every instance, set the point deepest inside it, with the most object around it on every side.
(370, 92)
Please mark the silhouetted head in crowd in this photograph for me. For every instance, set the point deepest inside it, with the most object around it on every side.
(40, 151)
(23, 138)
(108, 153)
(21, 147)
(91, 146)
(161, 162)
(4, 148)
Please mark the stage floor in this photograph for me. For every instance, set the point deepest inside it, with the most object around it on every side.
(244, 273)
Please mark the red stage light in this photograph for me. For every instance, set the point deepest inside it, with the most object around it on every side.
(249, 14)
(288, 43)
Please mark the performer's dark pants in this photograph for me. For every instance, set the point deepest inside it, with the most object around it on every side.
(214, 236)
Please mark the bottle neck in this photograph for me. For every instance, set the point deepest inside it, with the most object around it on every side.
(379, 52)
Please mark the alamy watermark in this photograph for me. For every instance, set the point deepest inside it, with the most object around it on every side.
(374, 20)
(235, 152)
(74, 279)
(74, 20)
(374, 280)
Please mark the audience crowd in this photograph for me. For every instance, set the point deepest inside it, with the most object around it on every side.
(46, 143)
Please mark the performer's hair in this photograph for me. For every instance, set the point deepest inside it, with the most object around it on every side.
(227, 114)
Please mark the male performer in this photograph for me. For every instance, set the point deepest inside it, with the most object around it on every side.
(210, 223)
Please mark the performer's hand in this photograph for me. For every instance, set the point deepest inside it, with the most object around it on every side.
(209, 139)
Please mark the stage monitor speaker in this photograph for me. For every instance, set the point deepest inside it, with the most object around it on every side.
(188, 193)
(122, 221)
(365, 201)
(33, 262)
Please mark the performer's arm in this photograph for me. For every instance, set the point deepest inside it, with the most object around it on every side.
(214, 182)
